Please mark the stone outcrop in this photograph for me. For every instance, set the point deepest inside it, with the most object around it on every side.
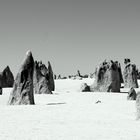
(51, 83)
(132, 94)
(22, 93)
(85, 88)
(41, 79)
(130, 75)
(107, 77)
(6, 78)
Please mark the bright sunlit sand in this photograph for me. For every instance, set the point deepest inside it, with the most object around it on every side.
(70, 115)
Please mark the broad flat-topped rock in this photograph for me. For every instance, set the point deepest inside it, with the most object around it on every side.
(130, 75)
(22, 93)
(107, 77)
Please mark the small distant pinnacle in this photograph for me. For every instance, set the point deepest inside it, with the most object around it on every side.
(28, 53)
(7, 67)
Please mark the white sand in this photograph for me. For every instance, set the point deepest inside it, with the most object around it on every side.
(70, 115)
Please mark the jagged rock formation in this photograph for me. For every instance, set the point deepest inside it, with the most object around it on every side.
(51, 77)
(85, 88)
(107, 77)
(22, 93)
(6, 78)
(130, 75)
(41, 79)
(132, 94)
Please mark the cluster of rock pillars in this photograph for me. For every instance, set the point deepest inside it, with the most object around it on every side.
(32, 78)
(35, 78)
(109, 77)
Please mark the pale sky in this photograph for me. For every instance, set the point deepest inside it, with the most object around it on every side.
(71, 34)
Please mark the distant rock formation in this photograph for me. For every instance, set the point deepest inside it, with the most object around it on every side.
(107, 77)
(22, 93)
(78, 73)
(51, 83)
(138, 106)
(85, 76)
(130, 75)
(41, 79)
(6, 78)
(132, 94)
(85, 88)
(59, 76)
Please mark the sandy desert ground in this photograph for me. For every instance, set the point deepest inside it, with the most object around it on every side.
(70, 115)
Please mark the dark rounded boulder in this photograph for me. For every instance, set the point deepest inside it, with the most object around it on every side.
(85, 88)
(22, 93)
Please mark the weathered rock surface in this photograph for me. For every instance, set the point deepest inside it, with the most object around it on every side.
(130, 75)
(6, 78)
(120, 73)
(22, 93)
(41, 79)
(132, 94)
(51, 83)
(85, 88)
(107, 77)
